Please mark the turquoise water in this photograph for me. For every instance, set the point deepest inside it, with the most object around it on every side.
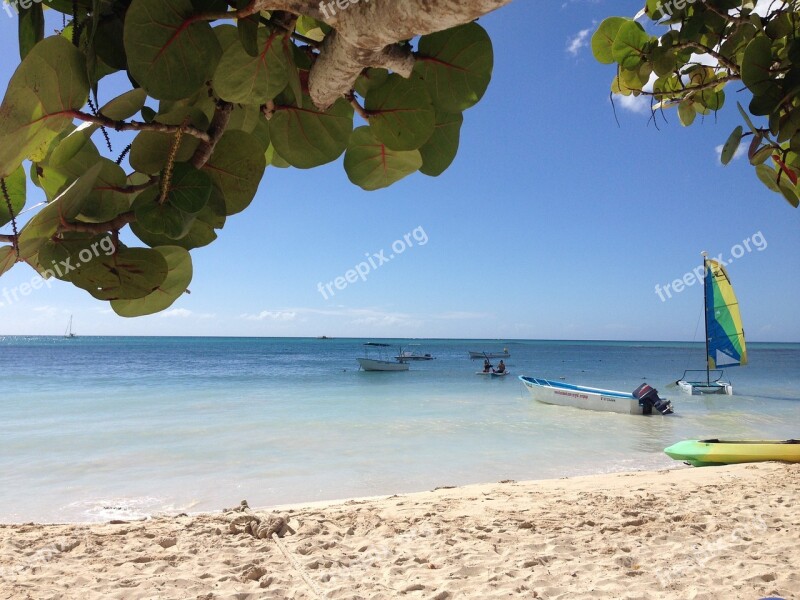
(99, 428)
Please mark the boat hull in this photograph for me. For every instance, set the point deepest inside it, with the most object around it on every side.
(414, 357)
(697, 388)
(476, 355)
(576, 396)
(702, 453)
(369, 364)
(490, 374)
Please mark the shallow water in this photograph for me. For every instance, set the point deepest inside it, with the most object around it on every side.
(99, 428)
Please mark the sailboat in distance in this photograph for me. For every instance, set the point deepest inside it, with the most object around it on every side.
(69, 334)
(725, 345)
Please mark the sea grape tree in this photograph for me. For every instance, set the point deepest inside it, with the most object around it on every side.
(705, 46)
(214, 92)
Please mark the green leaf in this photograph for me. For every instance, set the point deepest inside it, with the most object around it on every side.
(128, 274)
(171, 53)
(628, 48)
(150, 150)
(16, 188)
(245, 79)
(603, 39)
(401, 114)
(8, 258)
(65, 207)
(370, 78)
(103, 202)
(746, 118)
(236, 168)
(306, 137)
(161, 219)
(31, 27)
(49, 84)
(756, 65)
(789, 193)
(248, 30)
(440, 150)
(371, 165)
(125, 105)
(190, 188)
(201, 233)
(456, 66)
(686, 113)
(179, 276)
(768, 177)
(730, 147)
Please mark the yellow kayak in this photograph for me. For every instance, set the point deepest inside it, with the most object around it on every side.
(701, 453)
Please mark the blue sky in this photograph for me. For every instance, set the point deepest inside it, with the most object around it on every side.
(552, 223)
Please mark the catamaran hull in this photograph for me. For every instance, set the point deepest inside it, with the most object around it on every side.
(369, 364)
(699, 389)
(576, 396)
(702, 453)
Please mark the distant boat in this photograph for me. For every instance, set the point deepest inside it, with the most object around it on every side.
(641, 401)
(701, 453)
(69, 333)
(406, 355)
(504, 354)
(725, 345)
(381, 363)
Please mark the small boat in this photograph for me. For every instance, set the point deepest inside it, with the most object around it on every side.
(701, 453)
(641, 401)
(381, 363)
(475, 355)
(406, 355)
(69, 334)
(490, 374)
(725, 344)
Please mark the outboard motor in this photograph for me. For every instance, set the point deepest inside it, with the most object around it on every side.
(648, 399)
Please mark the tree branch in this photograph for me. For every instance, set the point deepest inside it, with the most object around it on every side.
(138, 125)
(692, 88)
(8, 239)
(219, 123)
(723, 60)
(367, 34)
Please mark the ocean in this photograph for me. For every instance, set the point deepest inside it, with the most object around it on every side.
(98, 428)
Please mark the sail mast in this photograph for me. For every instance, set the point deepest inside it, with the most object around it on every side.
(705, 310)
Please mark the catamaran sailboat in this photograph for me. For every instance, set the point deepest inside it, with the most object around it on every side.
(725, 345)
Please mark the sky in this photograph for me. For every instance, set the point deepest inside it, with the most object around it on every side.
(554, 222)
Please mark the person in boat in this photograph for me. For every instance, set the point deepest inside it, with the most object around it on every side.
(501, 368)
(487, 366)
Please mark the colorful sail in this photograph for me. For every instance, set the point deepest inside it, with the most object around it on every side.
(726, 345)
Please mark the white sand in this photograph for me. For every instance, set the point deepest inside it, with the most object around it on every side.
(714, 533)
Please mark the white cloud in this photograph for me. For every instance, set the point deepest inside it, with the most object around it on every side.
(580, 40)
(183, 313)
(634, 104)
(274, 315)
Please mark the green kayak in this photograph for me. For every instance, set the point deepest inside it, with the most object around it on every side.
(702, 453)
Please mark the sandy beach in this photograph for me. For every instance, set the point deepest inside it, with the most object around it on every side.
(729, 532)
